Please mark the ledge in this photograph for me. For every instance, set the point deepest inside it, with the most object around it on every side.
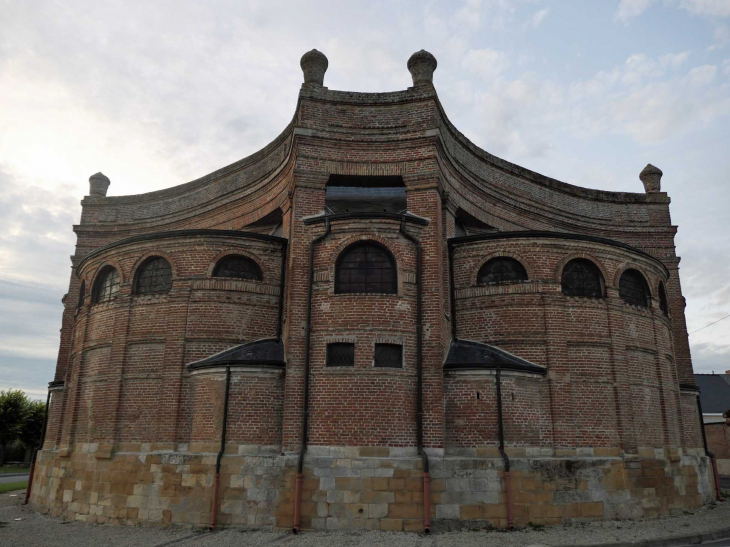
(412, 219)
(468, 355)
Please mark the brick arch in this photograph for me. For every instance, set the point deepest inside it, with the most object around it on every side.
(499, 254)
(352, 240)
(558, 272)
(123, 278)
(242, 252)
(149, 254)
(633, 266)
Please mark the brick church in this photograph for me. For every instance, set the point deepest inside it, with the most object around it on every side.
(372, 323)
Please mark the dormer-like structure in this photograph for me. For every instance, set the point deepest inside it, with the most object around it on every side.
(372, 323)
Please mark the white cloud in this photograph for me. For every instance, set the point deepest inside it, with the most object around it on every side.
(710, 8)
(539, 17)
(629, 9)
(702, 75)
(485, 62)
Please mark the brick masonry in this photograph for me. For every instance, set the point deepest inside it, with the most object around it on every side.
(607, 432)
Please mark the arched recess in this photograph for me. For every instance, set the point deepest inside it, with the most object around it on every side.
(514, 269)
(634, 288)
(238, 266)
(153, 276)
(366, 267)
(581, 277)
(662, 296)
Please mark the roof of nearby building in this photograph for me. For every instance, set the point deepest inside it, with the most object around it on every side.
(714, 392)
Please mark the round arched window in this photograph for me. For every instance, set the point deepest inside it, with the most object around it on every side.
(154, 276)
(501, 270)
(633, 288)
(582, 277)
(239, 267)
(106, 286)
(366, 268)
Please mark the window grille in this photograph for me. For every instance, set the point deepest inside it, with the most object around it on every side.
(389, 355)
(154, 276)
(500, 270)
(663, 305)
(582, 278)
(340, 355)
(366, 268)
(633, 288)
(107, 286)
(239, 267)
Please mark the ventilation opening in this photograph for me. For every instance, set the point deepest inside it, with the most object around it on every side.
(365, 194)
(468, 225)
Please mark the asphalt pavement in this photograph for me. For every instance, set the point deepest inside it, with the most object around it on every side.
(13, 477)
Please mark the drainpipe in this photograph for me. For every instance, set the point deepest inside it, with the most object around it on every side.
(715, 476)
(452, 291)
(419, 374)
(35, 452)
(305, 420)
(216, 480)
(505, 458)
(280, 327)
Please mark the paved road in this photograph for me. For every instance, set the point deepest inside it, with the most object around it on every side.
(13, 477)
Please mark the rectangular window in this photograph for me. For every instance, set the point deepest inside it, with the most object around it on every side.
(341, 355)
(389, 355)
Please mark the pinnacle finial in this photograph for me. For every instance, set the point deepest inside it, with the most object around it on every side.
(651, 176)
(314, 64)
(422, 65)
(98, 184)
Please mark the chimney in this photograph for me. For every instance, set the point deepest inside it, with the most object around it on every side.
(98, 184)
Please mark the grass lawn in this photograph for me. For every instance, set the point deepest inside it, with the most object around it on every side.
(7, 469)
(10, 486)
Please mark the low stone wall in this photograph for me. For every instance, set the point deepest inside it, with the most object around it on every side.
(374, 488)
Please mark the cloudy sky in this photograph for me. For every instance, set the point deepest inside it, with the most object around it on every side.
(158, 93)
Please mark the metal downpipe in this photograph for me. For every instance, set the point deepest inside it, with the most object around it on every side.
(35, 452)
(419, 375)
(305, 417)
(216, 479)
(505, 458)
(713, 461)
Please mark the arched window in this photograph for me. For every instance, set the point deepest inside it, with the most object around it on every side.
(107, 285)
(581, 277)
(633, 289)
(153, 276)
(82, 294)
(663, 305)
(366, 268)
(240, 267)
(500, 270)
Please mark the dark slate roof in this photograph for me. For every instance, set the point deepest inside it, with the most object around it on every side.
(714, 392)
(464, 354)
(269, 352)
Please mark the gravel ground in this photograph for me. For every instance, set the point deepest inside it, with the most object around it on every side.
(40, 531)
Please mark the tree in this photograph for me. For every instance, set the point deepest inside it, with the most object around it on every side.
(30, 432)
(13, 411)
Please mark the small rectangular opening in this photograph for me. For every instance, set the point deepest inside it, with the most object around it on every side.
(389, 355)
(340, 355)
(361, 193)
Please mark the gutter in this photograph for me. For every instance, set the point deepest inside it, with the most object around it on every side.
(305, 419)
(216, 480)
(419, 374)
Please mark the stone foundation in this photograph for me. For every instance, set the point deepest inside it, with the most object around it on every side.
(374, 488)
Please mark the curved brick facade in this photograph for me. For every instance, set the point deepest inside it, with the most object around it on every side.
(602, 423)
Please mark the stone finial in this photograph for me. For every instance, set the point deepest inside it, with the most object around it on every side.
(314, 64)
(421, 66)
(652, 178)
(98, 184)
